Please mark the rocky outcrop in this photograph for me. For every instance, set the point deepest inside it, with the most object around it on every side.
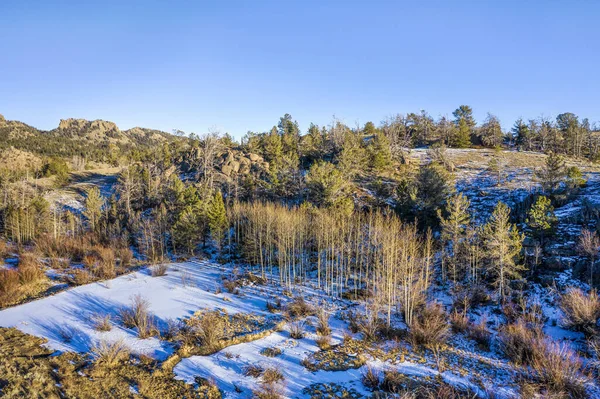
(235, 162)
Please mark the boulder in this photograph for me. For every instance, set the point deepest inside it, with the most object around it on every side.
(255, 157)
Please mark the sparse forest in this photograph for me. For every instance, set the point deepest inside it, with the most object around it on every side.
(417, 225)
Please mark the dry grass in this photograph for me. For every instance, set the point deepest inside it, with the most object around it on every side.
(139, 317)
(253, 371)
(30, 268)
(102, 323)
(298, 308)
(521, 342)
(159, 270)
(323, 342)
(323, 323)
(272, 376)
(371, 378)
(296, 329)
(430, 327)
(10, 286)
(581, 311)
(271, 352)
(110, 354)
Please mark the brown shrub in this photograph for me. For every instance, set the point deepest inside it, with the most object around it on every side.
(30, 269)
(581, 311)
(105, 267)
(323, 342)
(559, 370)
(296, 329)
(272, 376)
(110, 355)
(429, 327)
(125, 257)
(521, 342)
(253, 371)
(459, 321)
(138, 316)
(480, 334)
(268, 391)
(323, 323)
(271, 352)
(81, 277)
(102, 323)
(9, 286)
(299, 308)
(371, 378)
(159, 270)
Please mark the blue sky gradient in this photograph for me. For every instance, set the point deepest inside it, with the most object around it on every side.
(240, 65)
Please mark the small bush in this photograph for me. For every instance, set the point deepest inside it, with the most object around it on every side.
(299, 308)
(323, 323)
(9, 286)
(81, 277)
(430, 326)
(371, 378)
(159, 270)
(480, 334)
(138, 316)
(210, 329)
(272, 376)
(271, 352)
(105, 267)
(459, 321)
(253, 371)
(558, 369)
(110, 355)
(274, 306)
(520, 342)
(125, 257)
(296, 329)
(323, 342)
(268, 391)
(30, 269)
(581, 311)
(102, 323)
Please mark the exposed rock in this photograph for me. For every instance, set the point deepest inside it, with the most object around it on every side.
(255, 157)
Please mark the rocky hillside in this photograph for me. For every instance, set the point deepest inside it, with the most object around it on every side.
(76, 137)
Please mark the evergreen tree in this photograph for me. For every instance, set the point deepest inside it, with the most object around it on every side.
(433, 186)
(94, 203)
(541, 219)
(217, 217)
(188, 228)
(522, 134)
(491, 131)
(464, 121)
(502, 242)
(454, 226)
(552, 174)
(379, 152)
(328, 187)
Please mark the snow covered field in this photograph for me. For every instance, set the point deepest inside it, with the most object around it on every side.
(66, 319)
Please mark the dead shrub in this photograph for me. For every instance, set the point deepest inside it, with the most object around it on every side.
(102, 323)
(125, 256)
(9, 286)
(159, 270)
(4, 249)
(274, 306)
(206, 329)
(323, 323)
(272, 376)
(459, 321)
(323, 342)
(299, 308)
(480, 334)
(253, 371)
(581, 311)
(558, 370)
(105, 267)
(110, 355)
(268, 391)
(271, 352)
(296, 329)
(429, 327)
(371, 378)
(81, 277)
(521, 342)
(30, 269)
(138, 316)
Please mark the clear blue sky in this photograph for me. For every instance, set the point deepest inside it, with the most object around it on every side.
(240, 65)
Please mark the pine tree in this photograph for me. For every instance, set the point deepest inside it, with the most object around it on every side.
(454, 226)
(434, 186)
(217, 217)
(541, 218)
(462, 138)
(552, 174)
(502, 242)
(93, 207)
(188, 228)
